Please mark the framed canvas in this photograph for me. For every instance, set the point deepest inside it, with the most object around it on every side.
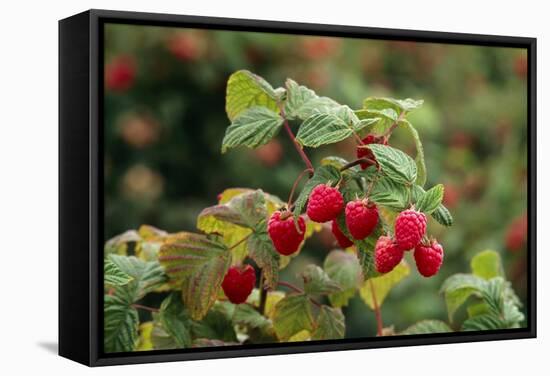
(235, 187)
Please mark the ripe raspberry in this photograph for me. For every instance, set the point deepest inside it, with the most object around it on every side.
(366, 152)
(283, 232)
(342, 239)
(428, 258)
(238, 283)
(361, 218)
(387, 254)
(325, 203)
(410, 227)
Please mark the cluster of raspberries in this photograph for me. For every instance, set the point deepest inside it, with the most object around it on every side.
(410, 228)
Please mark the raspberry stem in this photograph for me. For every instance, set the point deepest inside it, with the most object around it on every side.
(150, 309)
(356, 162)
(377, 312)
(388, 133)
(289, 203)
(296, 144)
(298, 290)
(239, 242)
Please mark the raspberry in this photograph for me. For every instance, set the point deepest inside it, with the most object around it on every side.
(361, 218)
(363, 152)
(342, 239)
(325, 203)
(410, 227)
(238, 283)
(387, 254)
(428, 258)
(283, 232)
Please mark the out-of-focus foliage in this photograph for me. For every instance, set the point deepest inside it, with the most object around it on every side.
(165, 119)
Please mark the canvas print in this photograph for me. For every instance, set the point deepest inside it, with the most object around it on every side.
(264, 188)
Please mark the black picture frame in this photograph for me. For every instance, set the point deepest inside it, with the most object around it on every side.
(81, 185)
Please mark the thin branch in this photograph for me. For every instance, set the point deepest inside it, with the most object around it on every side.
(356, 162)
(377, 312)
(239, 242)
(298, 179)
(263, 293)
(388, 133)
(296, 144)
(150, 309)
(298, 290)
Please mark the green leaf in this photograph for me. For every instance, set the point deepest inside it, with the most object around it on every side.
(482, 322)
(246, 90)
(292, 315)
(120, 325)
(386, 192)
(487, 265)
(217, 324)
(331, 324)
(337, 162)
(112, 275)
(316, 281)
(261, 250)
(430, 200)
(254, 127)
(201, 290)
(119, 244)
(398, 105)
(395, 164)
(427, 327)
(458, 288)
(343, 268)
(247, 315)
(146, 276)
(323, 175)
(323, 129)
(200, 264)
(419, 159)
(302, 102)
(189, 254)
(175, 320)
(376, 289)
(443, 216)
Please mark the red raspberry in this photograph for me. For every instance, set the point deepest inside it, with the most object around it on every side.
(410, 227)
(361, 218)
(283, 232)
(325, 203)
(363, 152)
(120, 73)
(342, 239)
(387, 254)
(428, 258)
(238, 283)
(516, 234)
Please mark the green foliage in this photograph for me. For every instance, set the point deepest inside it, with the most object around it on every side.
(496, 307)
(344, 269)
(120, 324)
(246, 90)
(395, 164)
(292, 315)
(375, 290)
(317, 281)
(430, 200)
(188, 268)
(254, 127)
(330, 324)
(427, 327)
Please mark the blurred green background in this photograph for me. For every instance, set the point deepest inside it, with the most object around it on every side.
(165, 119)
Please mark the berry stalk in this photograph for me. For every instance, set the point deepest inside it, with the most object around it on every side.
(296, 144)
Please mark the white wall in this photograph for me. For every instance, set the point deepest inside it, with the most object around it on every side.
(28, 185)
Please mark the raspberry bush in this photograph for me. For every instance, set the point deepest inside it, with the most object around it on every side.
(221, 285)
